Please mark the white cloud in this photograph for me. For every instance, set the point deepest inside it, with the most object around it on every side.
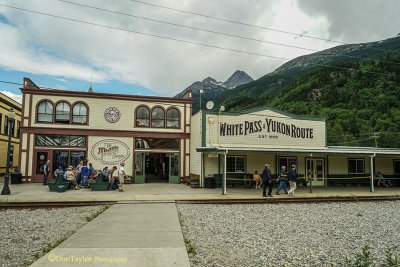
(48, 46)
(13, 96)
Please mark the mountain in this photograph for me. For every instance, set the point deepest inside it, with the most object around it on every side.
(212, 88)
(359, 97)
(272, 83)
(238, 78)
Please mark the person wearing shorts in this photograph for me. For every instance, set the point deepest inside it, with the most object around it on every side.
(121, 176)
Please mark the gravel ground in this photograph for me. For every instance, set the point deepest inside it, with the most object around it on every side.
(25, 232)
(289, 234)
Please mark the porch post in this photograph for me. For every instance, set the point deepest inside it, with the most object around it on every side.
(372, 172)
(224, 175)
(312, 173)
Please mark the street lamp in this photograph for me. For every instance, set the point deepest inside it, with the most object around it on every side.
(201, 92)
(6, 189)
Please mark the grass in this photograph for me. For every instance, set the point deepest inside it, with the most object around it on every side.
(359, 214)
(94, 215)
(189, 246)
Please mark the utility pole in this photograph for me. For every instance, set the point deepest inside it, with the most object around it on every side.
(376, 136)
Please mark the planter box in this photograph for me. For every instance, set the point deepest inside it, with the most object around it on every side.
(195, 184)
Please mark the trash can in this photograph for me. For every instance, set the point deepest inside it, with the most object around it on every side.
(16, 178)
(209, 182)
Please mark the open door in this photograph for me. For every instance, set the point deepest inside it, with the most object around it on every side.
(317, 167)
(174, 166)
(140, 167)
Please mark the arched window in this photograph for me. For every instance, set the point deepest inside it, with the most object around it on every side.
(45, 112)
(157, 118)
(142, 117)
(172, 118)
(79, 113)
(63, 111)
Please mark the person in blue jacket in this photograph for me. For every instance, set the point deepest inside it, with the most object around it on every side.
(281, 180)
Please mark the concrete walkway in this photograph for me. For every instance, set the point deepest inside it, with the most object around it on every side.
(127, 234)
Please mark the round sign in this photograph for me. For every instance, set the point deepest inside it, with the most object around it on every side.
(112, 114)
(41, 157)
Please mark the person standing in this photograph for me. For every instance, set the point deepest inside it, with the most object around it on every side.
(266, 176)
(46, 171)
(91, 171)
(111, 177)
(292, 176)
(85, 175)
(121, 175)
(282, 182)
(258, 180)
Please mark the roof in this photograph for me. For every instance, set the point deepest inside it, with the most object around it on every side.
(330, 150)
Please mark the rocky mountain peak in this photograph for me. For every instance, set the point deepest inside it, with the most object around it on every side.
(238, 78)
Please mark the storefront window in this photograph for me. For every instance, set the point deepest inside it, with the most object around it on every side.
(356, 166)
(62, 112)
(235, 164)
(157, 143)
(79, 114)
(61, 140)
(157, 118)
(45, 112)
(142, 117)
(60, 158)
(76, 157)
(172, 118)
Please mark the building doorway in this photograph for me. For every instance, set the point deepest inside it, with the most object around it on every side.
(157, 168)
(315, 169)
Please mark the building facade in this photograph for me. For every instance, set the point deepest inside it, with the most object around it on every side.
(238, 143)
(6, 104)
(149, 134)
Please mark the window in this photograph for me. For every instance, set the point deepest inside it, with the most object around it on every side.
(396, 165)
(6, 125)
(235, 164)
(172, 118)
(11, 156)
(157, 118)
(79, 114)
(157, 143)
(356, 166)
(1, 117)
(62, 112)
(61, 140)
(18, 129)
(142, 117)
(45, 112)
(287, 162)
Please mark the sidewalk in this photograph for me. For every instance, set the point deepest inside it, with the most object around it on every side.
(127, 234)
(40, 193)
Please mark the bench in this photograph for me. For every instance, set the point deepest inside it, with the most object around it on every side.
(98, 184)
(348, 180)
(60, 184)
(232, 179)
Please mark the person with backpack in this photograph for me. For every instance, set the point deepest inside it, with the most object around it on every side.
(292, 176)
(46, 171)
(282, 181)
(266, 176)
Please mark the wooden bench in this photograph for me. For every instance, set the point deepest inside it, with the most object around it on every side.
(232, 179)
(99, 184)
(60, 184)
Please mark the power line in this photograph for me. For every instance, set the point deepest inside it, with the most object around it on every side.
(217, 32)
(251, 25)
(191, 42)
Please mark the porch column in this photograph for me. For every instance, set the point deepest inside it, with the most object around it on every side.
(312, 173)
(372, 172)
(224, 174)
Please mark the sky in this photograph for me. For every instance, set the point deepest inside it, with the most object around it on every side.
(70, 55)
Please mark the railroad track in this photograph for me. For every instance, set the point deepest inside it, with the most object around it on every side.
(51, 205)
(311, 200)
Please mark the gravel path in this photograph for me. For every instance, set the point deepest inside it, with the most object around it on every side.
(25, 232)
(289, 234)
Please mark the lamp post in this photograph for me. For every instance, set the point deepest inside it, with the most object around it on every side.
(201, 92)
(6, 189)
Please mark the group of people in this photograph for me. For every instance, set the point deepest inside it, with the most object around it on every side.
(80, 175)
(266, 180)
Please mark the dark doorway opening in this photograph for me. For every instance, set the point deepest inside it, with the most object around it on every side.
(157, 168)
